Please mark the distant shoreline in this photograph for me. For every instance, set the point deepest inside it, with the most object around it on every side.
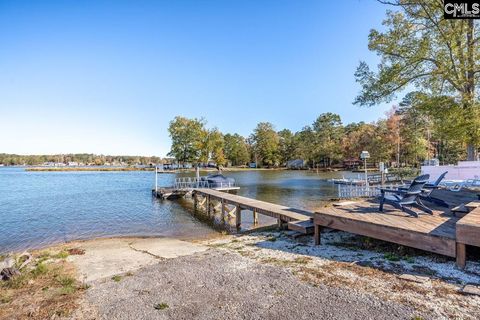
(61, 169)
(88, 169)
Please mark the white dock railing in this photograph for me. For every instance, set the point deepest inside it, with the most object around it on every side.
(356, 191)
(189, 183)
(199, 183)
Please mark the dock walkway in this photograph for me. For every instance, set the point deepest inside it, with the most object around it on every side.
(296, 219)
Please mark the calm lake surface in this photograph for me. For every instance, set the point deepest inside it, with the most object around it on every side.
(42, 208)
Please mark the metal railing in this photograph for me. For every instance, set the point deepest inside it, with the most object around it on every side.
(361, 191)
(190, 183)
(199, 183)
(377, 178)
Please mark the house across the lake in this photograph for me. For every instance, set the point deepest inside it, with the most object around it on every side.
(296, 164)
(351, 163)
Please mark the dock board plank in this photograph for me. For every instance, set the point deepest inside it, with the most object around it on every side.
(305, 227)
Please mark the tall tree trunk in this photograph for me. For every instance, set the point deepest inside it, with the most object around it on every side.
(469, 92)
(471, 152)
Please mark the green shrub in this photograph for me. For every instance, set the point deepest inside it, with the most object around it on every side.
(161, 306)
(61, 255)
(40, 269)
(117, 278)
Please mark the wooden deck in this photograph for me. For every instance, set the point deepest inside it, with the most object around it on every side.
(283, 214)
(435, 233)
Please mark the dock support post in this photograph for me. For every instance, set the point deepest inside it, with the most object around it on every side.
(156, 182)
(195, 201)
(238, 216)
(208, 205)
(255, 217)
(461, 255)
(222, 209)
(317, 235)
(280, 223)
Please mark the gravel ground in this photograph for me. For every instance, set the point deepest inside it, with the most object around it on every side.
(223, 285)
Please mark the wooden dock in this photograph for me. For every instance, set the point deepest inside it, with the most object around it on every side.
(232, 205)
(442, 233)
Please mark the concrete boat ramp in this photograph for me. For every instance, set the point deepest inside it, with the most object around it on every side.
(105, 258)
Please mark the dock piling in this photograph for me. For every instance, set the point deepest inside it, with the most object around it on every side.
(238, 216)
(208, 205)
(317, 234)
(255, 217)
(461, 255)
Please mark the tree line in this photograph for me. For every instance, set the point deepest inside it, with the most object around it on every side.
(421, 127)
(83, 158)
(419, 48)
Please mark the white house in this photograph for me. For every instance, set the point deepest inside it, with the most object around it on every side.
(462, 171)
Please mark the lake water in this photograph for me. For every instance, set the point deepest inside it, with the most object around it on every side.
(42, 208)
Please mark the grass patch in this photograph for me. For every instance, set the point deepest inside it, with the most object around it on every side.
(302, 260)
(68, 290)
(404, 286)
(61, 255)
(161, 306)
(117, 278)
(245, 253)
(5, 298)
(43, 255)
(270, 260)
(66, 281)
(51, 287)
(16, 283)
(40, 269)
(391, 257)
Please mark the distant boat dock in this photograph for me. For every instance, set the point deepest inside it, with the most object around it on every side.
(185, 185)
(182, 186)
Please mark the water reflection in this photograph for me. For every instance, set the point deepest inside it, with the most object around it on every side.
(41, 208)
(297, 189)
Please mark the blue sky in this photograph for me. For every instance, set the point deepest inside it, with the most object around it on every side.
(107, 76)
